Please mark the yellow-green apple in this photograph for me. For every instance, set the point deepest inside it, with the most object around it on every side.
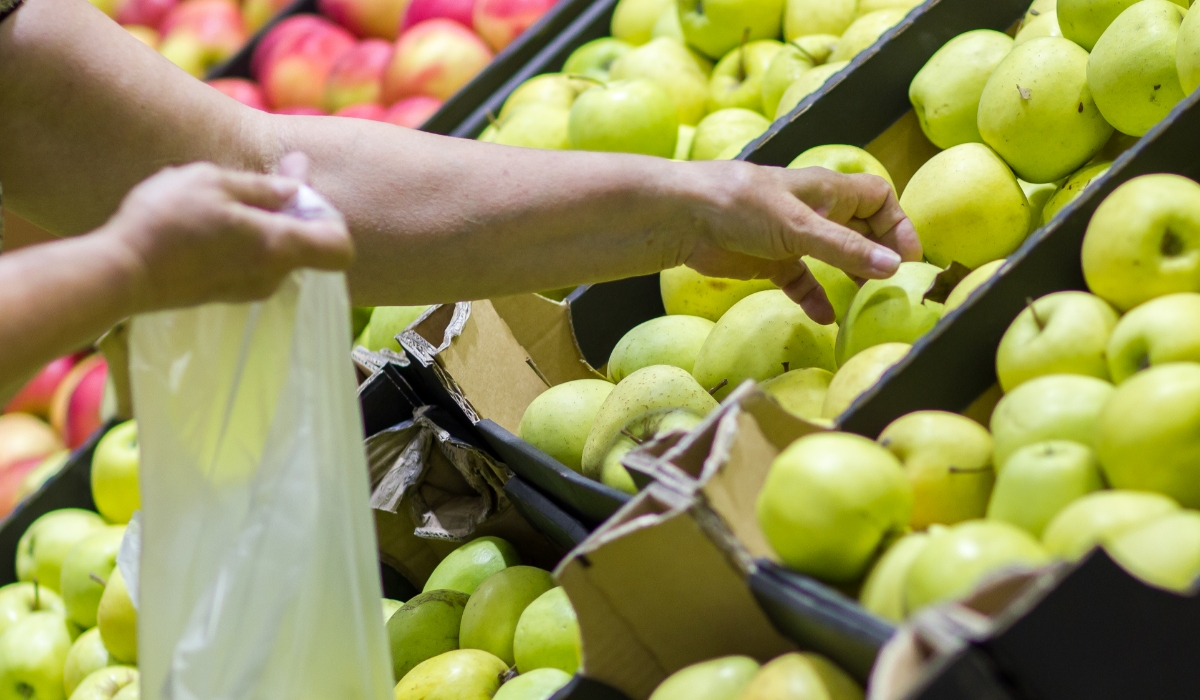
(1187, 54)
(33, 652)
(1166, 329)
(859, 374)
(462, 674)
(214, 28)
(554, 89)
(719, 679)
(1061, 333)
(86, 570)
(839, 288)
(257, 13)
(131, 691)
(793, 60)
(798, 676)
(547, 634)
(801, 392)
(687, 292)
(948, 460)
(625, 116)
(760, 337)
(1038, 111)
(34, 398)
(539, 684)
(18, 600)
(883, 590)
(1085, 21)
(1142, 241)
(1052, 407)
(892, 310)
(366, 110)
(959, 558)
(75, 408)
(1099, 517)
(366, 19)
(148, 36)
(725, 127)
(86, 656)
(116, 618)
(115, 474)
(1072, 187)
(1041, 479)
(461, 11)
(865, 31)
(357, 77)
(683, 145)
(500, 22)
(967, 207)
(807, 17)
(44, 545)
(667, 25)
(489, 622)
(962, 291)
(468, 566)
(868, 6)
(245, 91)
(387, 322)
(1132, 70)
(667, 340)
(842, 159)
(1038, 195)
(106, 683)
(648, 426)
(669, 64)
(737, 79)
(829, 501)
(646, 391)
(434, 58)
(24, 437)
(633, 20)
(40, 474)
(412, 112)
(425, 627)
(808, 83)
(1045, 24)
(945, 93)
(558, 421)
(1163, 552)
(541, 126)
(390, 607)
(717, 26)
(294, 59)
(595, 58)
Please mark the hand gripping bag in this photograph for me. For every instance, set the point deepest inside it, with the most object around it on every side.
(259, 575)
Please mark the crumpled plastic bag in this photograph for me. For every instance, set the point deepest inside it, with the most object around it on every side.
(259, 576)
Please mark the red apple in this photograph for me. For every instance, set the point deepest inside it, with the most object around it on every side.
(412, 112)
(283, 36)
(294, 61)
(499, 22)
(357, 77)
(75, 410)
(35, 397)
(199, 34)
(23, 437)
(301, 112)
(245, 91)
(147, 35)
(379, 19)
(40, 474)
(369, 110)
(11, 478)
(257, 13)
(460, 11)
(147, 13)
(434, 58)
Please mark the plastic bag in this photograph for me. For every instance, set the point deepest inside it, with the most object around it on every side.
(259, 574)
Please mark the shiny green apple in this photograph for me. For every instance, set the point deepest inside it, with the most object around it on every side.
(117, 620)
(1073, 187)
(1085, 21)
(808, 83)
(786, 67)
(469, 565)
(716, 27)
(44, 545)
(20, 599)
(1045, 24)
(1162, 330)
(689, 293)
(801, 392)
(1187, 53)
(595, 58)
(114, 474)
(683, 145)
(801, 676)
(541, 126)
(86, 570)
(87, 655)
(108, 683)
(865, 31)
(859, 374)
(842, 159)
(547, 634)
(962, 291)
(892, 310)
(806, 17)
(555, 89)
(667, 340)
(883, 591)
(668, 63)
(462, 674)
(724, 127)
(1060, 333)
(737, 79)
(424, 627)
(1038, 195)
(490, 618)
(648, 426)
(1163, 552)
(625, 116)
(945, 93)
(33, 653)
(719, 679)
(633, 20)
(558, 421)
(1041, 479)
(1099, 517)
(387, 322)
(1052, 407)
(538, 684)
(839, 288)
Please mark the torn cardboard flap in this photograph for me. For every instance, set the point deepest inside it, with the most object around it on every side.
(545, 329)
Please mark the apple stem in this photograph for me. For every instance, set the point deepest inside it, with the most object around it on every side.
(37, 595)
(970, 470)
(1041, 324)
(718, 387)
(538, 372)
(742, 55)
(587, 79)
(631, 436)
(787, 367)
(807, 55)
(97, 579)
(492, 119)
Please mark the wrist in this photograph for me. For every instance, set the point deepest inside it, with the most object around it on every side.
(699, 193)
(122, 268)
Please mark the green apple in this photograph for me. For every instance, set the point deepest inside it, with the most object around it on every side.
(892, 310)
(786, 67)
(1187, 56)
(797, 676)
(1085, 21)
(1041, 479)
(87, 655)
(1053, 407)
(625, 116)
(839, 288)
(33, 653)
(667, 25)
(131, 691)
(468, 566)
(85, 571)
(424, 627)
(18, 600)
(842, 159)
(959, 558)
(462, 674)
(1043, 25)
(1166, 329)
(806, 17)
(106, 683)
(719, 679)
(1038, 8)
(1142, 241)
(387, 322)
(828, 502)
(737, 79)
(1061, 333)
(733, 150)
(716, 27)
(646, 391)
(116, 618)
(683, 145)
(1038, 112)
(762, 336)
(595, 58)
(866, 7)
(1072, 187)
(1132, 71)
(865, 31)
(945, 93)
(488, 135)
(859, 374)
(539, 684)
(1099, 517)
(633, 20)
(489, 622)
(725, 127)
(883, 591)
(801, 392)
(962, 291)
(647, 427)
(808, 83)
(667, 340)
(1149, 433)
(554, 89)
(390, 607)
(558, 421)
(1163, 552)
(948, 460)
(41, 550)
(547, 634)
(541, 126)
(670, 65)
(1037, 195)
(689, 293)
(115, 473)
(967, 207)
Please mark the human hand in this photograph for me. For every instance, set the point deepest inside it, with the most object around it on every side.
(199, 233)
(756, 222)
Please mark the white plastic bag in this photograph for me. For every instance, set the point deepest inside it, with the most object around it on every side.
(259, 574)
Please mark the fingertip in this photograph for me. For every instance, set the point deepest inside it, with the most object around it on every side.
(284, 187)
(883, 261)
(816, 305)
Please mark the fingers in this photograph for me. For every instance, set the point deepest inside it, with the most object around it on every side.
(844, 248)
(803, 288)
(268, 192)
(295, 166)
(292, 243)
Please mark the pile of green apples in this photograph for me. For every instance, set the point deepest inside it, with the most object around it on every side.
(652, 87)
(795, 676)
(1095, 441)
(484, 627)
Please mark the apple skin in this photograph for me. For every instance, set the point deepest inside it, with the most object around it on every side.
(1073, 187)
(18, 600)
(295, 58)
(689, 293)
(667, 340)
(87, 655)
(805, 85)
(461, 11)
(462, 674)
(1045, 24)
(967, 207)
(471, 564)
(948, 460)
(1052, 407)
(883, 591)
(840, 158)
(257, 13)
(791, 62)
(490, 619)
(535, 126)
(389, 608)
(625, 116)
(500, 22)
(387, 322)
(1060, 333)
(146, 13)
(47, 541)
(115, 474)
(797, 676)
(1162, 330)
(1164, 552)
(412, 112)
(595, 58)
(434, 58)
(716, 27)
(425, 627)
(670, 65)
(864, 32)
(116, 618)
(367, 19)
(33, 653)
(719, 679)
(75, 408)
(107, 683)
(245, 91)
(558, 421)
(1099, 517)
(806, 17)
(357, 77)
(94, 555)
(1187, 54)
(683, 145)
(1041, 479)
(945, 93)
(35, 397)
(1142, 241)
(214, 30)
(839, 288)
(301, 111)
(633, 20)
(737, 79)
(1085, 21)
(649, 426)
(547, 635)
(859, 374)
(891, 310)
(538, 684)
(963, 290)
(725, 127)
(23, 437)
(552, 89)
(800, 392)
